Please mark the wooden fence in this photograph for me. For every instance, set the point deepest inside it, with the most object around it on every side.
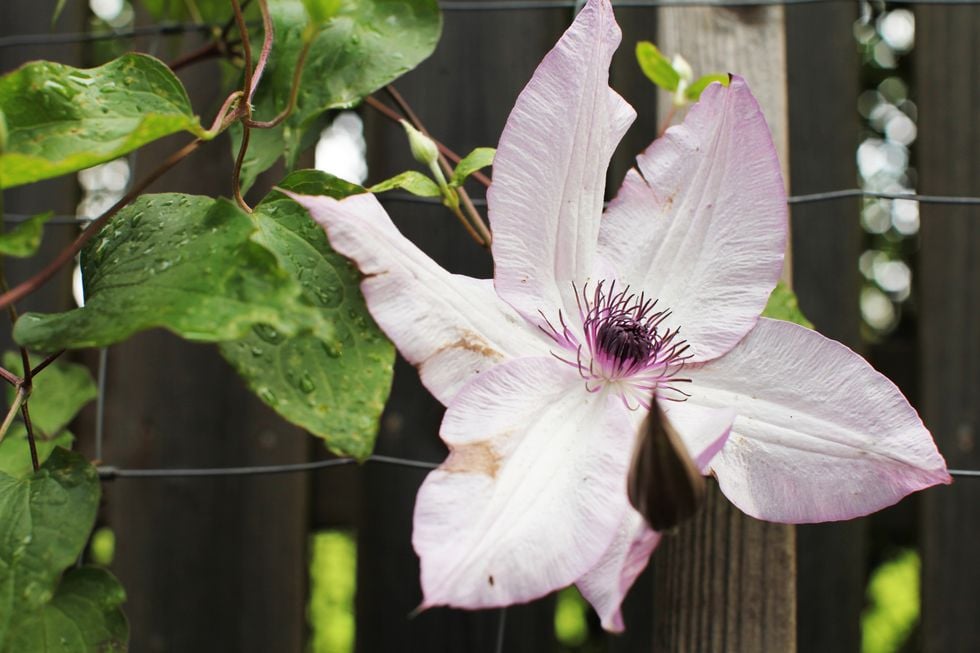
(220, 564)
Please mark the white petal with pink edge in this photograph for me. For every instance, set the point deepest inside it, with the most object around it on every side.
(705, 431)
(549, 172)
(449, 326)
(702, 225)
(819, 434)
(605, 585)
(532, 492)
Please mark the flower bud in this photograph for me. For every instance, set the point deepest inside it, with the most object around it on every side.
(686, 74)
(423, 148)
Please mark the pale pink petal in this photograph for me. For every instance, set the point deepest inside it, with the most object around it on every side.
(702, 225)
(449, 326)
(549, 171)
(605, 585)
(532, 492)
(819, 436)
(705, 431)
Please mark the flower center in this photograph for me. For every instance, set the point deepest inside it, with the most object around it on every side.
(626, 345)
(624, 341)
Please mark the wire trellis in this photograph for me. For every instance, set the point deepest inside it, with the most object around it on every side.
(110, 472)
(174, 29)
(809, 198)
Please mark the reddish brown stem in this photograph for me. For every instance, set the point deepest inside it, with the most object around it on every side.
(26, 414)
(246, 49)
(293, 93)
(207, 51)
(267, 30)
(10, 377)
(236, 174)
(47, 361)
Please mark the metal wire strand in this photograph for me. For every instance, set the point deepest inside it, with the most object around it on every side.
(811, 198)
(168, 29)
(162, 29)
(109, 472)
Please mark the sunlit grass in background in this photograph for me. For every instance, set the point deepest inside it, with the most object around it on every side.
(333, 583)
(102, 547)
(571, 626)
(893, 604)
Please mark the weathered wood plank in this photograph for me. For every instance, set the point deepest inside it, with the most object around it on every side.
(726, 582)
(947, 65)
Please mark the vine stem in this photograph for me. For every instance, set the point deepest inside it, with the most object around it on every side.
(246, 50)
(293, 93)
(267, 36)
(26, 414)
(12, 412)
(476, 220)
(394, 116)
(237, 173)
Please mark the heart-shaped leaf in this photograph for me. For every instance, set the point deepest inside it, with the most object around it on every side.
(334, 389)
(61, 119)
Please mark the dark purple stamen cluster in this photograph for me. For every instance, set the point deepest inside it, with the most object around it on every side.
(625, 344)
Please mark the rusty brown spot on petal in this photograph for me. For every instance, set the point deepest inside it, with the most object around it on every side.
(471, 341)
(476, 458)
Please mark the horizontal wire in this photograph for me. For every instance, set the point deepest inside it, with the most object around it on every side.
(523, 5)
(163, 29)
(974, 473)
(857, 192)
(108, 472)
(828, 196)
(167, 29)
(792, 199)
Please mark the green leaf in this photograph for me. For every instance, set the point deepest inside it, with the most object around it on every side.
(62, 119)
(336, 390)
(783, 305)
(365, 45)
(693, 92)
(15, 451)
(656, 66)
(60, 391)
(83, 616)
(182, 262)
(414, 182)
(478, 159)
(320, 11)
(24, 239)
(44, 524)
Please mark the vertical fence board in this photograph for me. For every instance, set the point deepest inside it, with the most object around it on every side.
(823, 69)
(726, 582)
(209, 564)
(464, 94)
(947, 66)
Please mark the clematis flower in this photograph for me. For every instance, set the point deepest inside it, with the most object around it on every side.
(548, 370)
